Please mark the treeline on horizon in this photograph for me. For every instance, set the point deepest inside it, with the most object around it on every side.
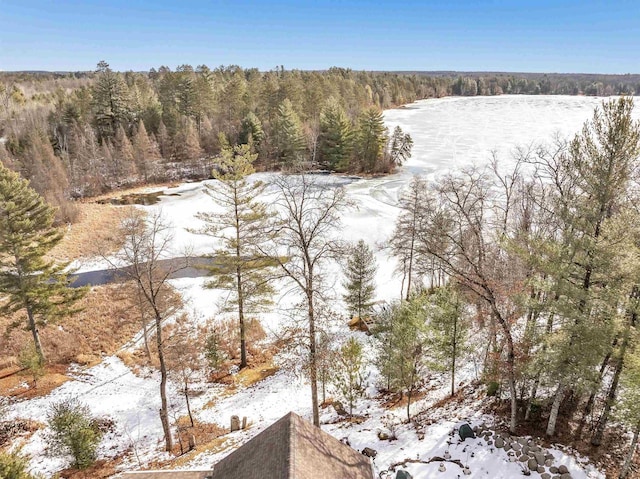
(80, 134)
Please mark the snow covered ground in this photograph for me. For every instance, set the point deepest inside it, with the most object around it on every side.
(448, 133)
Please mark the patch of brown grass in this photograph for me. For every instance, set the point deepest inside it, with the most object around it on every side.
(201, 431)
(101, 469)
(255, 373)
(95, 221)
(21, 385)
(400, 400)
(108, 319)
(209, 438)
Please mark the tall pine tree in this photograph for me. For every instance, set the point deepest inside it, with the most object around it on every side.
(289, 138)
(30, 282)
(370, 141)
(336, 138)
(240, 226)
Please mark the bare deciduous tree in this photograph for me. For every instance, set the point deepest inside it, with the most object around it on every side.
(142, 260)
(307, 215)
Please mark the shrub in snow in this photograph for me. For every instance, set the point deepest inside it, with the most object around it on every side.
(74, 431)
(13, 466)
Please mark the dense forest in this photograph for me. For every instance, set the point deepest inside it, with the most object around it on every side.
(80, 134)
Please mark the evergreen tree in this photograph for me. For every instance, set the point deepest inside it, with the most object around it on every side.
(111, 101)
(402, 338)
(30, 282)
(400, 145)
(360, 272)
(290, 142)
(186, 99)
(348, 373)
(251, 130)
(583, 259)
(628, 406)
(241, 228)
(448, 329)
(370, 140)
(336, 138)
(74, 431)
(13, 465)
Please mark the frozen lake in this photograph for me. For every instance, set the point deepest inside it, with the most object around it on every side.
(448, 133)
(453, 131)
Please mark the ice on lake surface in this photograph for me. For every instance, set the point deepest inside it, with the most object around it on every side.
(455, 131)
(448, 133)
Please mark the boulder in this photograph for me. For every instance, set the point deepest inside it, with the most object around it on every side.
(539, 458)
(465, 432)
(532, 464)
(540, 469)
(367, 451)
(553, 470)
(499, 442)
(339, 408)
(566, 475)
(545, 475)
(563, 469)
(403, 475)
(525, 449)
(523, 458)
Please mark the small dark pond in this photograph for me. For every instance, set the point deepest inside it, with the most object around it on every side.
(144, 199)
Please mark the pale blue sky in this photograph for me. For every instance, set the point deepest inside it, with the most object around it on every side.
(489, 35)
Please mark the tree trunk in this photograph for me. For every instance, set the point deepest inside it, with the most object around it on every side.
(413, 239)
(186, 397)
(596, 439)
(453, 358)
(592, 397)
(409, 404)
(145, 328)
(553, 416)
(36, 335)
(514, 400)
(313, 367)
(624, 472)
(534, 393)
(511, 358)
(243, 340)
(164, 409)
